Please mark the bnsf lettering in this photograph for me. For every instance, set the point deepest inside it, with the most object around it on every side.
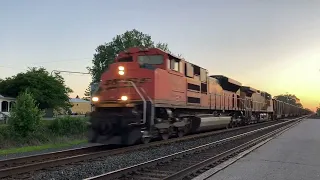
(115, 82)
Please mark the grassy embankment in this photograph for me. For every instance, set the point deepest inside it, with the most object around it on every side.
(61, 132)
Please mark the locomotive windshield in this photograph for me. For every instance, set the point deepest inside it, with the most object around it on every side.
(150, 59)
(126, 59)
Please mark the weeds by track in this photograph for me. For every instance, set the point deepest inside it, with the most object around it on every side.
(25, 165)
(189, 163)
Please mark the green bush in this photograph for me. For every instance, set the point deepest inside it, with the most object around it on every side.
(26, 127)
(68, 125)
(25, 116)
(60, 130)
(4, 133)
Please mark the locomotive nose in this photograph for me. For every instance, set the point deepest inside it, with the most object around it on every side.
(105, 128)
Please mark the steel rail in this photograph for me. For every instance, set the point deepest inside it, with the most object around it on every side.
(152, 163)
(7, 163)
(225, 155)
(42, 161)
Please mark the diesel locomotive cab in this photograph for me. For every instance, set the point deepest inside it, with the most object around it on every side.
(123, 103)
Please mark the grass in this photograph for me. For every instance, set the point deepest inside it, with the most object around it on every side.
(40, 147)
(58, 133)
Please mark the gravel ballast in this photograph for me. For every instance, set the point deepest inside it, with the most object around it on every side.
(111, 163)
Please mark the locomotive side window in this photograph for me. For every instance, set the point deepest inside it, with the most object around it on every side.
(168, 64)
(203, 75)
(174, 65)
(188, 70)
(150, 59)
(196, 70)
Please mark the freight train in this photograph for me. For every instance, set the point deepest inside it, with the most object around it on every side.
(148, 93)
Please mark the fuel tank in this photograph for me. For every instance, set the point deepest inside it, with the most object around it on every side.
(210, 122)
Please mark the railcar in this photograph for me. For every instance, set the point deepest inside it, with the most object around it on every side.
(149, 93)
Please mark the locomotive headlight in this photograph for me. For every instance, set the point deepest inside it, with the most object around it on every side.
(121, 68)
(124, 98)
(121, 73)
(95, 99)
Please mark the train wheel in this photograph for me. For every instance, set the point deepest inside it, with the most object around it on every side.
(180, 133)
(231, 125)
(145, 140)
(167, 133)
(165, 136)
(183, 131)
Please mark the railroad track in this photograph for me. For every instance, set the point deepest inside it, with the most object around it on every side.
(27, 165)
(49, 156)
(16, 165)
(190, 163)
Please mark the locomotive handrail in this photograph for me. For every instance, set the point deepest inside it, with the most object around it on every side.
(143, 99)
(152, 108)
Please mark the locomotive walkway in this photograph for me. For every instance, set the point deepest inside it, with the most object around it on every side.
(294, 155)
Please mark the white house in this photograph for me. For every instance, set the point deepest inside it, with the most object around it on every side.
(5, 106)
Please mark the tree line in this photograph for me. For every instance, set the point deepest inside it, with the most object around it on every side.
(50, 91)
(289, 98)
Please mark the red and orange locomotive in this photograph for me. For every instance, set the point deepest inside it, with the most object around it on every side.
(149, 93)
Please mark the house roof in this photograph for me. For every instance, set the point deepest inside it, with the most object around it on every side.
(6, 97)
(77, 100)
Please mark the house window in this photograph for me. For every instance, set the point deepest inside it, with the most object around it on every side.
(4, 106)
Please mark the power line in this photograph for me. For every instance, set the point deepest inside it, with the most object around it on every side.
(58, 71)
(82, 59)
(45, 62)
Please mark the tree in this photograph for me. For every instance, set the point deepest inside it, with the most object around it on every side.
(289, 98)
(93, 88)
(48, 91)
(106, 53)
(25, 116)
(87, 94)
(163, 46)
(318, 110)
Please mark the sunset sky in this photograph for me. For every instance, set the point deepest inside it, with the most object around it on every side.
(270, 45)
